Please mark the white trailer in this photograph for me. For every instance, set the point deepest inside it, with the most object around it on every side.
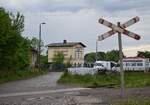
(136, 64)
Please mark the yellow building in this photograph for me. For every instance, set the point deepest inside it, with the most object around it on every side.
(73, 52)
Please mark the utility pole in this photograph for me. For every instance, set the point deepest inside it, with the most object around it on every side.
(39, 51)
(96, 56)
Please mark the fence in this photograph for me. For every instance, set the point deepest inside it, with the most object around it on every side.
(83, 70)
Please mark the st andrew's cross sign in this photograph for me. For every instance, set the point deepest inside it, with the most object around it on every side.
(120, 29)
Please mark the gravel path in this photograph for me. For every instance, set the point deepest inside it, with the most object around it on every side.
(43, 82)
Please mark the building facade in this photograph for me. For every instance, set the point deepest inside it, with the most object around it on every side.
(136, 63)
(73, 52)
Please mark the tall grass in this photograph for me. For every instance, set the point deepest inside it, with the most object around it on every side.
(132, 79)
(134, 102)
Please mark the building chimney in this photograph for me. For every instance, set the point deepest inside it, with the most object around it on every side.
(64, 41)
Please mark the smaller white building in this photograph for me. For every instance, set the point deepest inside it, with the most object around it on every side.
(136, 64)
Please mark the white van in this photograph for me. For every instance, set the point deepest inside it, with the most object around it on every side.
(104, 65)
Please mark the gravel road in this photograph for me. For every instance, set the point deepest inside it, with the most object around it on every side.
(43, 90)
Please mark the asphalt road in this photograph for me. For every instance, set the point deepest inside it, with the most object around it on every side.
(43, 90)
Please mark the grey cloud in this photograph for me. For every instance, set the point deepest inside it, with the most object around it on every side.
(45, 5)
(82, 22)
(75, 5)
(119, 5)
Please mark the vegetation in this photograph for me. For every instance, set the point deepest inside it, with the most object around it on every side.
(145, 54)
(19, 74)
(58, 61)
(134, 102)
(58, 58)
(35, 44)
(112, 55)
(14, 49)
(132, 79)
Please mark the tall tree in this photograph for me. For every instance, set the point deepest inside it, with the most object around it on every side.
(17, 22)
(58, 58)
(58, 61)
(112, 55)
(90, 57)
(13, 47)
(101, 56)
(23, 54)
(145, 54)
(35, 43)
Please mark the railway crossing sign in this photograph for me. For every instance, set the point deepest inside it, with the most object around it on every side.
(120, 29)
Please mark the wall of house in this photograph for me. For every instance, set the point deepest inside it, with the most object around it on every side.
(74, 54)
(78, 55)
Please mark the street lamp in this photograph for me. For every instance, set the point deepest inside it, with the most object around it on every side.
(40, 25)
(96, 55)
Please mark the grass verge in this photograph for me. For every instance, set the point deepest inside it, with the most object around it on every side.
(6, 76)
(134, 102)
(132, 79)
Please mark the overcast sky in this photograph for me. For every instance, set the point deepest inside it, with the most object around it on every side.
(77, 20)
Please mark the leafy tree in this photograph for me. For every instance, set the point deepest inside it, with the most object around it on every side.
(58, 61)
(58, 58)
(101, 55)
(23, 54)
(35, 43)
(44, 59)
(90, 57)
(9, 41)
(68, 63)
(145, 54)
(17, 22)
(14, 49)
(112, 55)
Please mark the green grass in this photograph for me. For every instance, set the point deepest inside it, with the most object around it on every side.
(133, 102)
(132, 79)
(6, 76)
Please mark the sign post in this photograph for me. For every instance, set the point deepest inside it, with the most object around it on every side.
(121, 63)
(120, 29)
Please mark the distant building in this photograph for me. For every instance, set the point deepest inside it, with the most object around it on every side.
(136, 63)
(73, 52)
(34, 55)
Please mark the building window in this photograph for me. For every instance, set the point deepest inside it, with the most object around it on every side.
(127, 64)
(139, 64)
(133, 64)
(78, 53)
